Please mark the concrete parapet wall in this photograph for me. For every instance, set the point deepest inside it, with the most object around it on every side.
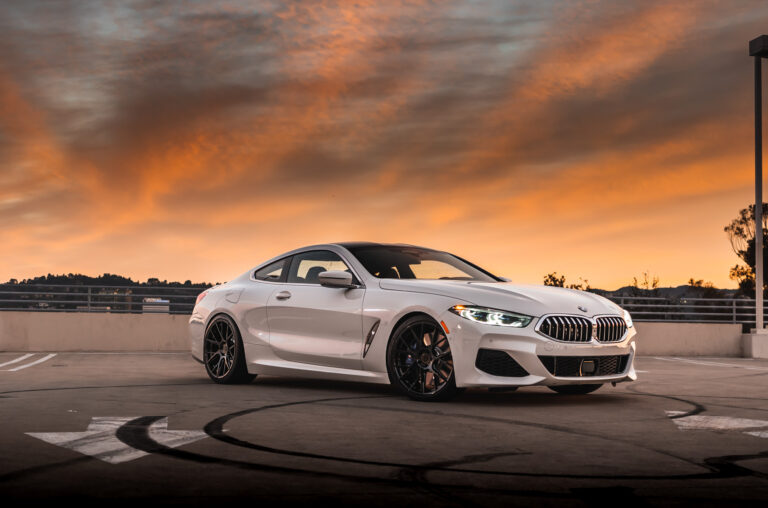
(75, 331)
(80, 331)
(667, 338)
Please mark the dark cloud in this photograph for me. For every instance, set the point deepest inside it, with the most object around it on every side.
(120, 115)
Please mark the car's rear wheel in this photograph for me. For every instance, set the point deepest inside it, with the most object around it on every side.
(575, 389)
(419, 360)
(223, 353)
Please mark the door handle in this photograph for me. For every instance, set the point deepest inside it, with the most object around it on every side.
(283, 295)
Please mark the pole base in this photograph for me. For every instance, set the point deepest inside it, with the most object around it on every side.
(755, 345)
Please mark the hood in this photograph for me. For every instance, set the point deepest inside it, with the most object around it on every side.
(526, 299)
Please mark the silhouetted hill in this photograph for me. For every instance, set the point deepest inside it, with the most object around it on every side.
(674, 293)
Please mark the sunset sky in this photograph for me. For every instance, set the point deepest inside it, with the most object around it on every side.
(192, 140)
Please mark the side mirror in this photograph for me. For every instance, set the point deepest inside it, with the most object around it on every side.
(335, 279)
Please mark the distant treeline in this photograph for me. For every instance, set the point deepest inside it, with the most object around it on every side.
(107, 279)
(75, 292)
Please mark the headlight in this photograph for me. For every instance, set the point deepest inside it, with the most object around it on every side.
(628, 319)
(491, 316)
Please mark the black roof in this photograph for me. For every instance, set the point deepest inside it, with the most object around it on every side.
(353, 245)
(357, 245)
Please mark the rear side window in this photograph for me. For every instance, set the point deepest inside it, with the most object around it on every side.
(273, 272)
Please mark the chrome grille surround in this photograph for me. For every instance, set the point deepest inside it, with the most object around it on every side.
(582, 330)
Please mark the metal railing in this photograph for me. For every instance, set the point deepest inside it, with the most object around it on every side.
(87, 298)
(691, 310)
(181, 300)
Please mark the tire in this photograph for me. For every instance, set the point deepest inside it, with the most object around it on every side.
(223, 353)
(574, 389)
(419, 360)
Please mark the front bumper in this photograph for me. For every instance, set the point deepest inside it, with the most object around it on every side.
(526, 347)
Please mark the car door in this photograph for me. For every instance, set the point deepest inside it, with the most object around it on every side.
(313, 324)
(254, 298)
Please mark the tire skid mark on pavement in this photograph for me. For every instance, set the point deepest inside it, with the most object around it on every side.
(215, 429)
(565, 430)
(136, 434)
(94, 387)
(697, 407)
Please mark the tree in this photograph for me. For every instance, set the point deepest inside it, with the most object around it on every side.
(744, 276)
(646, 282)
(582, 285)
(557, 280)
(553, 279)
(741, 234)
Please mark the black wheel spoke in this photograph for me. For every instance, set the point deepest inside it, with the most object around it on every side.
(421, 358)
(219, 351)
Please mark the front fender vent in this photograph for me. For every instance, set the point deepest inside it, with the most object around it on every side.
(567, 328)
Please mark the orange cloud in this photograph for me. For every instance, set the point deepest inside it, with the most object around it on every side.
(525, 136)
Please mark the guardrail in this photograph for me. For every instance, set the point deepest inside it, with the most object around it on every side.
(181, 300)
(691, 310)
(87, 298)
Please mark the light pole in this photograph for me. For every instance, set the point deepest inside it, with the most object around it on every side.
(758, 48)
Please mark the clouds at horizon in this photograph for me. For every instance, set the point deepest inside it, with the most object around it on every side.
(191, 140)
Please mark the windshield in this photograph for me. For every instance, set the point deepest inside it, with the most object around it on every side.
(394, 262)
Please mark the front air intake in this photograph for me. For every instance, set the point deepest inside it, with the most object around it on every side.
(498, 363)
(574, 366)
(567, 328)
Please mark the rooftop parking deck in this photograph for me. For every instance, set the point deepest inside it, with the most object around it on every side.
(152, 427)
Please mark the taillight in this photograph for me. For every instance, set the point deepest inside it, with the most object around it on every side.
(201, 296)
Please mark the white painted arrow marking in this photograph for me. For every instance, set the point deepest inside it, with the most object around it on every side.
(702, 422)
(99, 439)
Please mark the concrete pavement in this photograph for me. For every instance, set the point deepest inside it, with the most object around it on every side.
(141, 428)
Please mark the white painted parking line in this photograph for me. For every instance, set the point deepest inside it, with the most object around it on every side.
(24, 357)
(41, 360)
(709, 364)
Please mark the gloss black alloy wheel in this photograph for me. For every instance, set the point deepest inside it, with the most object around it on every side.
(419, 360)
(223, 353)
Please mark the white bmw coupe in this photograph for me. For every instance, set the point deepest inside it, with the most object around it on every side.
(426, 321)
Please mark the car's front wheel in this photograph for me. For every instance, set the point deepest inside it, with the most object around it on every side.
(575, 389)
(419, 360)
(223, 353)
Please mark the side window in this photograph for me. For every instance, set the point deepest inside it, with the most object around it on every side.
(307, 266)
(273, 272)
